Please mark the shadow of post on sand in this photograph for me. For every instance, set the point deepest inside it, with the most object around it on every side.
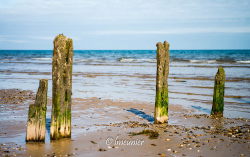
(141, 114)
(48, 121)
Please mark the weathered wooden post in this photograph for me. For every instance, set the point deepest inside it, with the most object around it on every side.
(37, 115)
(161, 100)
(62, 87)
(218, 98)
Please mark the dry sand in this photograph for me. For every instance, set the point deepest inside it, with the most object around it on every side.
(107, 128)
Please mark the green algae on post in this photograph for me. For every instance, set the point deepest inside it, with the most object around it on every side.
(36, 124)
(61, 87)
(161, 99)
(218, 97)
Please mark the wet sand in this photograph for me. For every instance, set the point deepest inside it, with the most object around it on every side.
(94, 75)
(103, 127)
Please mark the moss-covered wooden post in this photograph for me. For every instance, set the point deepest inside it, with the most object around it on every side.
(36, 124)
(62, 87)
(161, 100)
(218, 98)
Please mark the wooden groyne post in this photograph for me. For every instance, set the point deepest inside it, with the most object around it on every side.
(61, 87)
(218, 97)
(161, 99)
(36, 124)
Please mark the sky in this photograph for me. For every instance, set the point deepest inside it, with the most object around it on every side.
(125, 24)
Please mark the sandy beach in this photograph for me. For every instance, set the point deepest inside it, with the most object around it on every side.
(103, 127)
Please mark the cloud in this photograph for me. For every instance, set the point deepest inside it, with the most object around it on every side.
(39, 20)
(41, 37)
(129, 9)
(174, 31)
(13, 41)
(50, 38)
(26, 39)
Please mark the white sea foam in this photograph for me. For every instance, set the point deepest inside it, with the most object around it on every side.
(203, 61)
(42, 59)
(132, 60)
(81, 60)
(244, 62)
(88, 60)
(127, 60)
(150, 60)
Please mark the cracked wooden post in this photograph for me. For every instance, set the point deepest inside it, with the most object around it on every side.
(62, 87)
(218, 98)
(161, 99)
(36, 124)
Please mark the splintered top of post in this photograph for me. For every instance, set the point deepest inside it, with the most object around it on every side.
(62, 44)
(43, 80)
(220, 75)
(165, 44)
(61, 37)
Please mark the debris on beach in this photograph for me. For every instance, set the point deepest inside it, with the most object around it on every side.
(151, 133)
(129, 124)
(93, 142)
(15, 96)
(102, 150)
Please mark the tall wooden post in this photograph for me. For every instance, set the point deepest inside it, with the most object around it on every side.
(218, 98)
(36, 124)
(62, 87)
(161, 100)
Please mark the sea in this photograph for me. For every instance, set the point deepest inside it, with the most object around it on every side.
(129, 75)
